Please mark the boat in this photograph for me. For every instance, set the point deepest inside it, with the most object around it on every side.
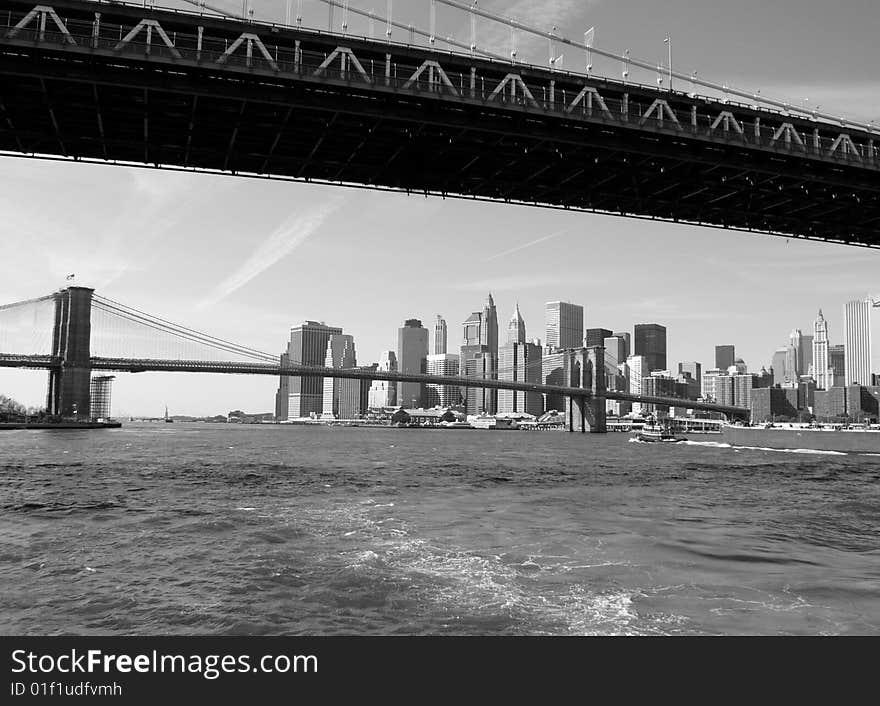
(168, 420)
(663, 432)
(858, 439)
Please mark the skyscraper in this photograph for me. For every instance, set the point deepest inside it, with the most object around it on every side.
(650, 342)
(412, 357)
(341, 398)
(383, 393)
(480, 339)
(305, 395)
(778, 367)
(519, 361)
(596, 337)
(822, 370)
(627, 337)
(440, 336)
(447, 365)
(565, 325)
(724, 356)
(616, 349)
(857, 342)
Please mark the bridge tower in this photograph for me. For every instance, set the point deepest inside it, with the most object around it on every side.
(588, 371)
(71, 337)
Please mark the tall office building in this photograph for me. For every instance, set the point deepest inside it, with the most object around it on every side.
(777, 366)
(383, 393)
(440, 336)
(446, 365)
(596, 337)
(650, 342)
(480, 339)
(627, 337)
(823, 373)
(857, 342)
(341, 399)
(282, 395)
(521, 362)
(100, 388)
(412, 357)
(837, 363)
(638, 369)
(565, 325)
(694, 371)
(616, 349)
(305, 395)
(724, 356)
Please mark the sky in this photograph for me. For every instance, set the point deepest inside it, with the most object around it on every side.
(246, 259)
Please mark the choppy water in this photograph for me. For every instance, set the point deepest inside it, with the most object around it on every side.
(207, 529)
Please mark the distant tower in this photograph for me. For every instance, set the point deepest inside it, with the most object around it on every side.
(516, 329)
(823, 372)
(565, 325)
(489, 330)
(440, 336)
(724, 356)
(412, 357)
(857, 342)
(650, 342)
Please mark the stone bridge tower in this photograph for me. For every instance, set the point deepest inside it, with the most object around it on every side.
(71, 338)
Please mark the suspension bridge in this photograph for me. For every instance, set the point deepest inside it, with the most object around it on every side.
(74, 332)
(119, 83)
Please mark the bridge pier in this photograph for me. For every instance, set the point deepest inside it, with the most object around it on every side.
(587, 367)
(68, 394)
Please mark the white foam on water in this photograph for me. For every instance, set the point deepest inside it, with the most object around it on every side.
(709, 444)
(794, 451)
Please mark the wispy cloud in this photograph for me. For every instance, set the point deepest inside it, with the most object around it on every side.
(286, 238)
(542, 239)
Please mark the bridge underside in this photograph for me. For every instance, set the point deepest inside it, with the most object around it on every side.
(79, 105)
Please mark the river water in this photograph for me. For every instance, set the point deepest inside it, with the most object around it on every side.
(228, 529)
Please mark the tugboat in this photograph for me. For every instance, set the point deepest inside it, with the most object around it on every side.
(660, 432)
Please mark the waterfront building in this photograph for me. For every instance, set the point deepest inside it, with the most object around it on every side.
(742, 389)
(724, 356)
(100, 388)
(383, 393)
(341, 398)
(565, 325)
(650, 342)
(770, 404)
(412, 357)
(709, 384)
(857, 342)
(445, 365)
(440, 336)
(596, 337)
(725, 390)
(822, 370)
(305, 395)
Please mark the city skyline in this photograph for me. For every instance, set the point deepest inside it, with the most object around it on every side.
(249, 259)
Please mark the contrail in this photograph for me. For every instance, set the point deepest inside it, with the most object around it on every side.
(284, 240)
(527, 245)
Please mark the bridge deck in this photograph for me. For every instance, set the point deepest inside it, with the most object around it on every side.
(233, 368)
(221, 95)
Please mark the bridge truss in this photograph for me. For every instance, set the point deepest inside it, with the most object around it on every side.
(117, 83)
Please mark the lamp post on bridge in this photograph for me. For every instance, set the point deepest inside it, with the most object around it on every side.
(668, 42)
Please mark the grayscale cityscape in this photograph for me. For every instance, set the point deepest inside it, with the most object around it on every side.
(269, 405)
